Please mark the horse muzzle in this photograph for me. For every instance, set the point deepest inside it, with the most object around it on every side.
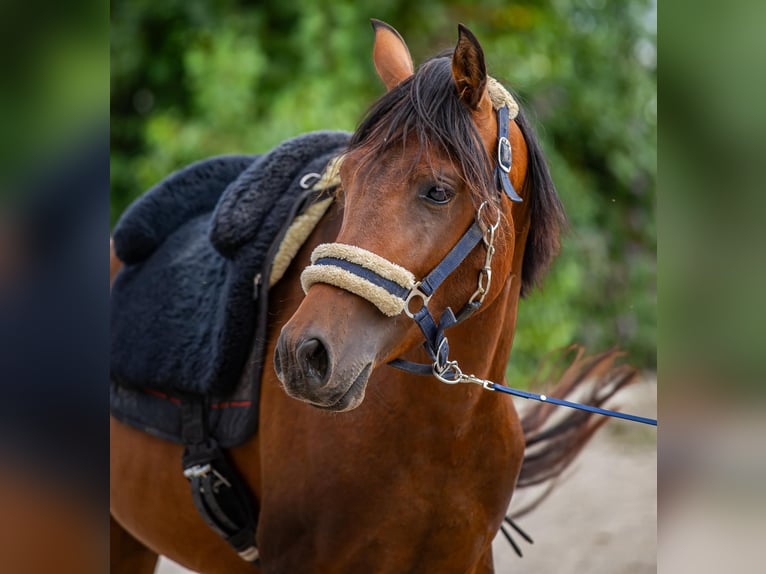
(306, 368)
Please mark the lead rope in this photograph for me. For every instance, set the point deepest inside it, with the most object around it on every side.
(452, 374)
(449, 372)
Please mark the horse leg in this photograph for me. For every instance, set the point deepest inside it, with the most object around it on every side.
(126, 554)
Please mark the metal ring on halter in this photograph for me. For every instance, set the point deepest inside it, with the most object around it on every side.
(415, 292)
(438, 367)
(309, 177)
(492, 228)
(450, 368)
(485, 273)
(441, 371)
(504, 154)
(483, 287)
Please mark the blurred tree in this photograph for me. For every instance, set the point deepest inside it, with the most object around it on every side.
(195, 78)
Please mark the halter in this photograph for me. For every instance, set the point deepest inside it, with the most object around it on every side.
(392, 288)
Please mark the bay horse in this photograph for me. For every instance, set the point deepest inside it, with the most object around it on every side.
(358, 466)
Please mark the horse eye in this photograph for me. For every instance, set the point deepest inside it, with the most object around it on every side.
(439, 194)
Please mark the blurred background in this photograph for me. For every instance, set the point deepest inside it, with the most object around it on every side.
(191, 79)
(54, 299)
(195, 78)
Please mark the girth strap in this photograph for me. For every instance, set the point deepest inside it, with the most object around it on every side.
(219, 494)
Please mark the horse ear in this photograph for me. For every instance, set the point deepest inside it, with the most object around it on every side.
(390, 54)
(468, 69)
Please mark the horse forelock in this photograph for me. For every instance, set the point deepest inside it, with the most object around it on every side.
(426, 110)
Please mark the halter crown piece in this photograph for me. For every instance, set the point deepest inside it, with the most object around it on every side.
(507, 110)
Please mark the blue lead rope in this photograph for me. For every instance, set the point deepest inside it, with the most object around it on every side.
(571, 405)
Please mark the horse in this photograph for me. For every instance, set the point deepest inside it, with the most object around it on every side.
(359, 463)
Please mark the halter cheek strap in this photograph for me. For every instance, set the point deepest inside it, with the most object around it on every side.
(504, 156)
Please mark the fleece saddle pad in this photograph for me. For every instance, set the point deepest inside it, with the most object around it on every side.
(188, 308)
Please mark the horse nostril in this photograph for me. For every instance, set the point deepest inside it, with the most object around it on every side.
(313, 359)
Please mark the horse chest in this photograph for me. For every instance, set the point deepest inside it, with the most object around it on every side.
(387, 497)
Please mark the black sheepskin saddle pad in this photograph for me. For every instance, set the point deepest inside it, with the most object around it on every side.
(185, 308)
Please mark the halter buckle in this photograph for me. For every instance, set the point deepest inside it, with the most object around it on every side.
(415, 292)
(450, 367)
(504, 154)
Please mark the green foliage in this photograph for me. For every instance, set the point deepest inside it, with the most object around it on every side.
(197, 78)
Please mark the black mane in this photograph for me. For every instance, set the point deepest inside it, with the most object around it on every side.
(426, 105)
(547, 217)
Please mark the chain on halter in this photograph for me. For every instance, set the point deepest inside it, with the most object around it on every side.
(485, 273)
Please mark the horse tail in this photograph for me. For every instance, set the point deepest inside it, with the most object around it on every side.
(554, 435)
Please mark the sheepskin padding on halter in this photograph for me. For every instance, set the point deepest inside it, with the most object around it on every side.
(388, 303)
(500, 97)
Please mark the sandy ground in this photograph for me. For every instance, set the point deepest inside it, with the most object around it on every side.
(601, 519)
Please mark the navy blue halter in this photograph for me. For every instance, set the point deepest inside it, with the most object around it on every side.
(436, 343)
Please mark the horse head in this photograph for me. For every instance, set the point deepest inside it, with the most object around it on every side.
(437, 158)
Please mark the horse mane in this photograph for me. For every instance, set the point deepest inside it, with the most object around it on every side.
(427, 106)
(547, 217)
